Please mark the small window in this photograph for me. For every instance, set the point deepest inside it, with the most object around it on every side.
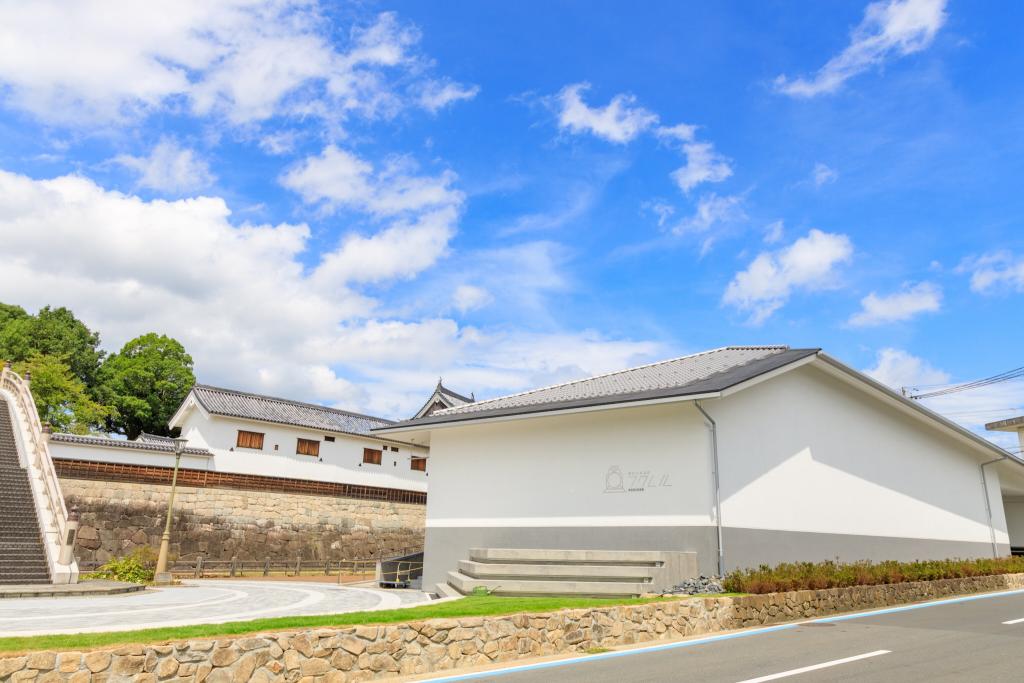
(307, 447)
(329, 439)
(250, 439)
(372, 456)
(394, 449)
(418, 464)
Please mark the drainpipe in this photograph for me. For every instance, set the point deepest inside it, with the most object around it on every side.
(713, 427)
(988, 504)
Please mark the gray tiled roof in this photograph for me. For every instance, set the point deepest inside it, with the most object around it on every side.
(231, 403)
(709, 371)
(107, 442)
(146, 437)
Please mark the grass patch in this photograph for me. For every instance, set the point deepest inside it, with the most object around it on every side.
(792, 576)
(471, 606)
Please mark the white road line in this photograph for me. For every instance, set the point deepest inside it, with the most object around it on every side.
(1013, 621)
(815, 667)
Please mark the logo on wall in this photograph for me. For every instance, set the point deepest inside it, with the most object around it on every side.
(615, 481)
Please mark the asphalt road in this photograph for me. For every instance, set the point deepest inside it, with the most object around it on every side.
(963, 640)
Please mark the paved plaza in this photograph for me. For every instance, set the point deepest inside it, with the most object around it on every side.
(194, 602)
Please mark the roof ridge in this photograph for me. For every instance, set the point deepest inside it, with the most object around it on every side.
(278, 399)
(617, 372)
(454, 394)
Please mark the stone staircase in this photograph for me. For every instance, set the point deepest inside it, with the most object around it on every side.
(605, 573)
(22, 555)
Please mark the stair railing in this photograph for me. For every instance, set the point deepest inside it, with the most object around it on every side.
(38, 455)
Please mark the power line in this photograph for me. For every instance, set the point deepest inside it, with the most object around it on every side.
(1016, 373)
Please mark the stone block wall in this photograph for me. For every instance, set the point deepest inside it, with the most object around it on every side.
(221, 523)
(372, 652)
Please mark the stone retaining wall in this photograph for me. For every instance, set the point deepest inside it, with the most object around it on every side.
(371, 652)
(220, 523)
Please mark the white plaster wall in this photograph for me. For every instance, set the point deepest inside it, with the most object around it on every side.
(1015, 521)
(125, 456)
(555, 471)
(807, 452)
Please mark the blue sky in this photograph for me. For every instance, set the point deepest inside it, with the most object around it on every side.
(341, 203)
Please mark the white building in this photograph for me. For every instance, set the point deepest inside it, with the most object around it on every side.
(746, 455)
(237, 434)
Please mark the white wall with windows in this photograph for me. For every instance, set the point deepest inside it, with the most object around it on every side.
(297, 452)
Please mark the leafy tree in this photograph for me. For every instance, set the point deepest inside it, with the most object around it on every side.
(53, 332)
(9, 313)
(61, 398)
(145, 383)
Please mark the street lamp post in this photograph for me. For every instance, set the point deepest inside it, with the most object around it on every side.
(162, 577)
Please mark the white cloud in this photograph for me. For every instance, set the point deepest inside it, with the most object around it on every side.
(997, 271)
(470, 297)
(401, 251)
(253, 313)
(890, 28)
(712, 210)
(340, 179)
(281, 142)
(169, 168)
(774, 232)
(574, 203)
(436, 95)
(619, 121)
(896, 368)
(924, 297)
(660, 209)
(91, 61)
(703, 165)
(823, 175)
(808, 264)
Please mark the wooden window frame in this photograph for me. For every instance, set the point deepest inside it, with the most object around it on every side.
(252, 440)
(372, 456)
(310, 447)
(418, 464)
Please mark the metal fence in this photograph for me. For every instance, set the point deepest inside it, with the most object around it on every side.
(347, 571)
(402, 571)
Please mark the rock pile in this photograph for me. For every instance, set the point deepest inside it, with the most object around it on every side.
(698, 586)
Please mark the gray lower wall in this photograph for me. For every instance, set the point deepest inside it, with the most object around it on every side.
(445, 546)
(752, 547)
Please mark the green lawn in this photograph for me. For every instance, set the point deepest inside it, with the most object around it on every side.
(471, 606)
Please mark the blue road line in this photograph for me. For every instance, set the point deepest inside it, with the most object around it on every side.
(711, 639)
(920, 605)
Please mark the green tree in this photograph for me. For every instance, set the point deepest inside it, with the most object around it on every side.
(52, 332)
(145, 383)
(61, 398)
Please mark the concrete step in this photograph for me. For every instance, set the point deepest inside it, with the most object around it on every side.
(445, 590)
(559, 572)
(543, 556)
(467, 584)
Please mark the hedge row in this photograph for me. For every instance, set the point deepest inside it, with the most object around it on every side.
(792, 576)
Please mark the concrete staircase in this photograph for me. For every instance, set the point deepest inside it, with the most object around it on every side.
(22, 555)
(607, 573)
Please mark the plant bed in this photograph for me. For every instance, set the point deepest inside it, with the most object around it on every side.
(795, 576)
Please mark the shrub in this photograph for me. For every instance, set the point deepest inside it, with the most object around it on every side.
(792, 576)
(136, 567)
